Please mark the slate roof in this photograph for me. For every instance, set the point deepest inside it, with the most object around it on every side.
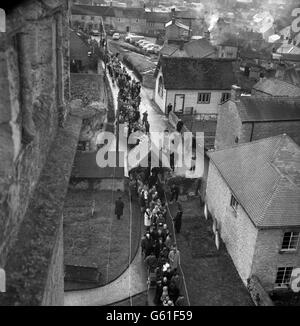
(197, 74)
(252, 108)
(108, 11)
(158, 17)
(194, 49)
(277, 87)
(264, 176)
(178, 24)
(103, 11)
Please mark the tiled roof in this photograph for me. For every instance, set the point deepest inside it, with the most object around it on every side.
(178, 24)
(199, 48)
(254, 108)
(130, 12)
(277, 87)
(197, 74)
(194, 49)
(158, 17)
(264, 176)
(103, 11)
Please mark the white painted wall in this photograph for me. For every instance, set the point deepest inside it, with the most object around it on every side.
(160, 101)
(191, 99)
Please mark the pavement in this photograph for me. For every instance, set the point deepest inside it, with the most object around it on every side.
(132, 282)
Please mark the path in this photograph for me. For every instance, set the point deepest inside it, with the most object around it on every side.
(133, 281)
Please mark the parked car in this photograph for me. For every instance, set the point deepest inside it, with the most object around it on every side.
(146, 46)
(141, 44)
(138, 42)
(116, 36)
(135, 38)
(129, 36)
(154, 48)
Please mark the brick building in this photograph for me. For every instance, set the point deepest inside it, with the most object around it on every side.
(253, 195)
(248, 118)
(38, 142)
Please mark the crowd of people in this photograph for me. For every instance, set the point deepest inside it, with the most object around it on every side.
(129, 97)
(161, 255)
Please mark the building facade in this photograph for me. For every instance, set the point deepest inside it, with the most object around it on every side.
(189, 84)
(246, 119)
(261, 242)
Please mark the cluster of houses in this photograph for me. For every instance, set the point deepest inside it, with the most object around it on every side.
(253, 183)
(135, 20)
(246, 100)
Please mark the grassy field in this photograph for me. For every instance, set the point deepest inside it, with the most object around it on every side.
(100, 240)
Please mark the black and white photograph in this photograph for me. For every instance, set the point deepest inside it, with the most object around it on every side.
(150, 155)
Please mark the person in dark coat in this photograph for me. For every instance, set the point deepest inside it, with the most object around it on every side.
(119, 206)
(178, 220)
(174, 192)
(147, 127)
(169, 108)
(145, 118)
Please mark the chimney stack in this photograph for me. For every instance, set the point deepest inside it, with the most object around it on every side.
(235, 92)
(207, 35)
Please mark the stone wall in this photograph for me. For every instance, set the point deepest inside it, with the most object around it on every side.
(235, 227)
(230, 126)
(34, 82)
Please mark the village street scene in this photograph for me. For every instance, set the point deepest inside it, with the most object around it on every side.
(150, 153)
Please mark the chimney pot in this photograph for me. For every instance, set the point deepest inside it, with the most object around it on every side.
(235, 92)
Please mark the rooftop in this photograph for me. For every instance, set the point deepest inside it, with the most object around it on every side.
(277, 87)
(253, 108)
(200, 48)
(264, 176)
(178, 24)
(197, 74)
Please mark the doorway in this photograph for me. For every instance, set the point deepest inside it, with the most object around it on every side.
(179, 103)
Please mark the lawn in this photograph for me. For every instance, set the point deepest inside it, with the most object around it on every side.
(211, 277)
(101, 240)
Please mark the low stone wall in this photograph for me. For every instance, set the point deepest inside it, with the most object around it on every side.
(258, 294)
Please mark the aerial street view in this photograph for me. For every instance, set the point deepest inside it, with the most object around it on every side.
(149, 154)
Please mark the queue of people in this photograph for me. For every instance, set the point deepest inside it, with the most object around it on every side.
(129, 97)
(161, 255)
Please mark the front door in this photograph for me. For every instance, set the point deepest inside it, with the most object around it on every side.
(179, 103)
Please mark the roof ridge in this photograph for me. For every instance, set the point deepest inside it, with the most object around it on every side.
(248, 144)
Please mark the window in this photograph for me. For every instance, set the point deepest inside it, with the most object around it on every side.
(92, 17)
(290, 241)
(137, 20)
(225, 97)
(83, 17)
(234, 203)
(283, 277)
(160, 87)
(204, 98)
